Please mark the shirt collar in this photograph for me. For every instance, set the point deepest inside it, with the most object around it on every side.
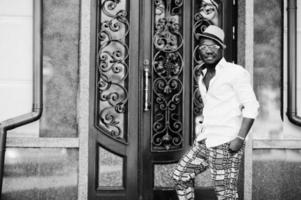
(218, 67)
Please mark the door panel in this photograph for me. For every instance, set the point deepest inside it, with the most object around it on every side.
(113, 128)
(166, 127)
(144, 97)
(167, 76)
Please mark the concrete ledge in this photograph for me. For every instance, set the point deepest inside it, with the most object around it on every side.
(277, 144)
(30, 142)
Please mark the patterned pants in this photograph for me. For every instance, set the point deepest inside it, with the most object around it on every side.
(223, 165)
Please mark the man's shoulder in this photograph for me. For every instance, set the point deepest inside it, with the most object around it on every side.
(235, 68)
(235, 71)
(232, 65)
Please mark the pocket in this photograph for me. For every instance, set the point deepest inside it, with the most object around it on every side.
(221, 150)
(239, 153)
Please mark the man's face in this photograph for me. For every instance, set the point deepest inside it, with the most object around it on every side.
(210, 51)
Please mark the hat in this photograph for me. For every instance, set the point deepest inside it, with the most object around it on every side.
(214, 33)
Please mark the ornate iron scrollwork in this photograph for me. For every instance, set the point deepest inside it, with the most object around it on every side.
(112, 68)
(206, 12)
(167, 76)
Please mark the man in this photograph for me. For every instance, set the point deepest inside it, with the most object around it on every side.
(230, 107)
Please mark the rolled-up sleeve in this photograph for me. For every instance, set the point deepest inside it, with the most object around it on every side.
(245, 94)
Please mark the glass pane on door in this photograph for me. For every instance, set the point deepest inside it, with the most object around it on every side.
(110, 169)
(167, 79)
(112, 68)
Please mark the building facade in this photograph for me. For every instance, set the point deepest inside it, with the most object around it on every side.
(99, 97)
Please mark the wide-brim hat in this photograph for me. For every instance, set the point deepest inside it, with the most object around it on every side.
(214, 33)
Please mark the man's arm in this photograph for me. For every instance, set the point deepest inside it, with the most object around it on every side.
(247, 98)
(245, 127)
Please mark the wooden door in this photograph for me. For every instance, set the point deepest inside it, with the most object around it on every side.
(114, 98)
(144, 97)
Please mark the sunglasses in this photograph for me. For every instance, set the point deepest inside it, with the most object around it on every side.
(212, 47)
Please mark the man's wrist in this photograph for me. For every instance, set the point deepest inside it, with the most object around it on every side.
(241, 138)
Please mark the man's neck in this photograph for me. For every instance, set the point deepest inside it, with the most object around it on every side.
(210, 67)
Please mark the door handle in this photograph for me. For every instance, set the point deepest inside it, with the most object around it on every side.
(146, 89)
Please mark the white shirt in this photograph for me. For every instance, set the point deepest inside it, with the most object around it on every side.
(229, 98)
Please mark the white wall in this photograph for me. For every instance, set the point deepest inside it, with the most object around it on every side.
(16, 59)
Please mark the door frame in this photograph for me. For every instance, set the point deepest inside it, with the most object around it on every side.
(244, 56)
(142, 141)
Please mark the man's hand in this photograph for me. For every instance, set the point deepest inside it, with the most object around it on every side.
(235, 145)
(238, 142)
